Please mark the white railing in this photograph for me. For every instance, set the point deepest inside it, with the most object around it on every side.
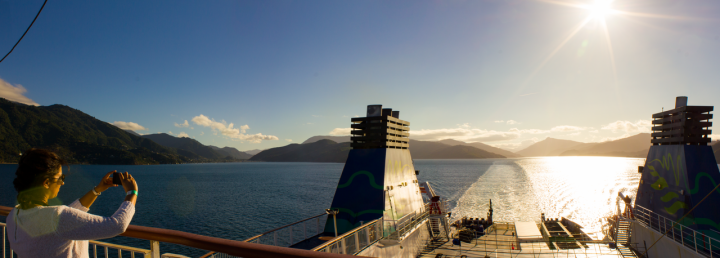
(293, 233)
(105, 249)
(287, 235)
(354, 241)
(701, 243)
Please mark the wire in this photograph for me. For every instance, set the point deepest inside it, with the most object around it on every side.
(26, 31)
(673, 224)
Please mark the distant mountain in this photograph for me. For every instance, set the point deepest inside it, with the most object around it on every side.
(716, 150)
(232, 152)
(186, 144)
(425, 149)
(463, 152)
(320, 151)
(482, 146)
(633, 146)
(337, 139)
(75, 136)
(550, 147)
(132, 132)
(253, 152)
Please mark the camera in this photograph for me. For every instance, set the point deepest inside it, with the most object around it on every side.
(116, 178)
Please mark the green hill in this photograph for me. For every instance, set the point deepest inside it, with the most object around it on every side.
(186, 144)
(320, 151)
(76, 136)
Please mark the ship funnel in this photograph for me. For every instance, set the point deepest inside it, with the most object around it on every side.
(681, 101)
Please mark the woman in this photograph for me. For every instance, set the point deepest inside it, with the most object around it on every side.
(38, 230)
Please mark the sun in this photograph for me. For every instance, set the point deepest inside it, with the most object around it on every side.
(600, 8)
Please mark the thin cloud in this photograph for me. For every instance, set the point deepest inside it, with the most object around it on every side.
(639, 126)
(129, 126)
(230, 131)
(170, 133)
(186, 124)
(15, 93)
(341, 131)
(288, 140)
(499, 121)
(183, 134)
(512, 122)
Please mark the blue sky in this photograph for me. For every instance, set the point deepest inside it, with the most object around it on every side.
(506, 73)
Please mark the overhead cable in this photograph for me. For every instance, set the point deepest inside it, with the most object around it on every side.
(23, 35)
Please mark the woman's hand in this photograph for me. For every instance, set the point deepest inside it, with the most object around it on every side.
(128, 182)
(106, 182)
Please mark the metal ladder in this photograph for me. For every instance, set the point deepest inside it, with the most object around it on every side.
(623, 237)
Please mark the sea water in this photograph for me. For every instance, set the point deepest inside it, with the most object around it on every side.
(239, 200)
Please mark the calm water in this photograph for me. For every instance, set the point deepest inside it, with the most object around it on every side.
(239, 200)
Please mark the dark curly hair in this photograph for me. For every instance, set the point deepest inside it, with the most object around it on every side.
(34, 167)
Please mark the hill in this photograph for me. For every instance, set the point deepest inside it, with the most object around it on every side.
(633, 146)
(463, 152)
(76, 136)
(337, 139)
(186, 144)
(550, 147)
(320, 151)
(482, 146)
(425, 149)
(716, 150)
(253, 152)
(232, 152)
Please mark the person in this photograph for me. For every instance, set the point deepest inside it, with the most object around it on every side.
(38, 230)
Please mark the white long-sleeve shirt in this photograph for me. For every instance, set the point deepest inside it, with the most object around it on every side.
(62, 231)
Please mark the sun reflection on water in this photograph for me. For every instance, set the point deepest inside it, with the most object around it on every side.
(583, 189)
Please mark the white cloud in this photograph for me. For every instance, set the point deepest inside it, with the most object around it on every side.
(465, 125)
(15, 93)
(170, 133)
(201, 133)
(129, 126)
(595, 131)
(288, 140)
(512, 122)
(183, 134)
(341, 131)
(499, 121)
(567, 128)
(639, 126)
(229, 130)
(186, 124)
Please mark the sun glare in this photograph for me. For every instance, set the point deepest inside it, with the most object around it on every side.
(600, 8)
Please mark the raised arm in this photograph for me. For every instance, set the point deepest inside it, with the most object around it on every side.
(106, 182)
(74, 224)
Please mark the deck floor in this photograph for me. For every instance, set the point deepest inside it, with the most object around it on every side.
(501, 243)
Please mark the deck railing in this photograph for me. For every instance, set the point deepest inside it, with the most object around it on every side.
(231, 247)
(701, 243)
(354, 241)
(292, 233)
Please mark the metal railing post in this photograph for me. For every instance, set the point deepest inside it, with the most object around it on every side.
(3, 240)
(154, 249)
(305, 230)
(695, 240)
(357, 242)
(291, 235)
(275, 238)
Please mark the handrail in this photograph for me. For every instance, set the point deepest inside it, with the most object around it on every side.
(231, 247)
(340, 237)
(279, 228)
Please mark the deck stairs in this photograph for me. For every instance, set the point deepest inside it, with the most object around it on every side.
(623, 237)
(437, 227)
